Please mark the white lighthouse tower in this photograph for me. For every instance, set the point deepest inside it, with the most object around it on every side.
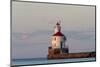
(58, 39)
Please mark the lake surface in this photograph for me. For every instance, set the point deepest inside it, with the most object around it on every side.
(35, 61)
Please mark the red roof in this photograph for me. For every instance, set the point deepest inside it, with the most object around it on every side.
(58, 34)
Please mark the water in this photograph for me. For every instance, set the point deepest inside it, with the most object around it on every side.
(46, 61)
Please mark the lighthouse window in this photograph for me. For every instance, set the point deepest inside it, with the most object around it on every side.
(54, 45)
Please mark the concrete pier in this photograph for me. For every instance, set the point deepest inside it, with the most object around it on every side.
(64, 54)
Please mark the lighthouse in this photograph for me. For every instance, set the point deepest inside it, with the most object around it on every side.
(58, 43)
(58, 38)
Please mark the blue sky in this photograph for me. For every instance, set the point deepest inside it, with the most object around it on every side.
(33, 26)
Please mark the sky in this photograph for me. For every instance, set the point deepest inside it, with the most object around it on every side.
(33, 27)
